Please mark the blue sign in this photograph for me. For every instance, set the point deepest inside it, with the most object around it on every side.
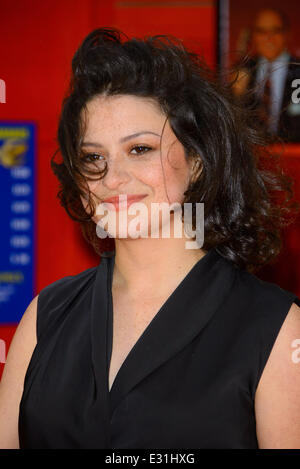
(17, 223)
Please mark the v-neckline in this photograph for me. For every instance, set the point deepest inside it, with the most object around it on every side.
(111, 257)
(158, 342)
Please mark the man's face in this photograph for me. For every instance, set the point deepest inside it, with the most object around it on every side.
(269, 35)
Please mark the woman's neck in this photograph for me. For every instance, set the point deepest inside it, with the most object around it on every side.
(145, 265)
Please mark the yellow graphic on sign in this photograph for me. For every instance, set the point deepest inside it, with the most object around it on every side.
(11, 277)
(12, 152)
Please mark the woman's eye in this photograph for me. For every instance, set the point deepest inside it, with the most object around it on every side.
(141, 149)
(92, 157)
(97, 158)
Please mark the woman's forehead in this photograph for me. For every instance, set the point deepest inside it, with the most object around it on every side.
(125, 115)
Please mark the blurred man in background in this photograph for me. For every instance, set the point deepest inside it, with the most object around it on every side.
(274, 74)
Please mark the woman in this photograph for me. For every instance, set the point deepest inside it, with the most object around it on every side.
(160, 345)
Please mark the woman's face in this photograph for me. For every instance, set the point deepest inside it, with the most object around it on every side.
(124, 131)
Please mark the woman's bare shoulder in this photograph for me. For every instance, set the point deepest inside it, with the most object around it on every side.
(277, 404)
(11, 386)
(23, 342)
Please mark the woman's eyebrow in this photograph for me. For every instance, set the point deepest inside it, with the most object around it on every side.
(123, 139)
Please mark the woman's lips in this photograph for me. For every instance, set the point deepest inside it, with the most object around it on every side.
(123, 201)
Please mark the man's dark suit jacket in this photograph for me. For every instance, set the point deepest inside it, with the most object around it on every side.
(289, 122)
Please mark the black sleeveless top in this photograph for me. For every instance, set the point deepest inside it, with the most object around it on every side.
(188, 382)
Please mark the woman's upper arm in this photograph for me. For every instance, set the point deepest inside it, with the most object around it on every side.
(277, 399)
(11, 385)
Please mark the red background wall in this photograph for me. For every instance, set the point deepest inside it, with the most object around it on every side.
(38, 40)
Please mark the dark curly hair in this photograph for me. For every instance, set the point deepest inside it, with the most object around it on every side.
(247, 197)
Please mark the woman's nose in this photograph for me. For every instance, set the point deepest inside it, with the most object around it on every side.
(117, 173)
